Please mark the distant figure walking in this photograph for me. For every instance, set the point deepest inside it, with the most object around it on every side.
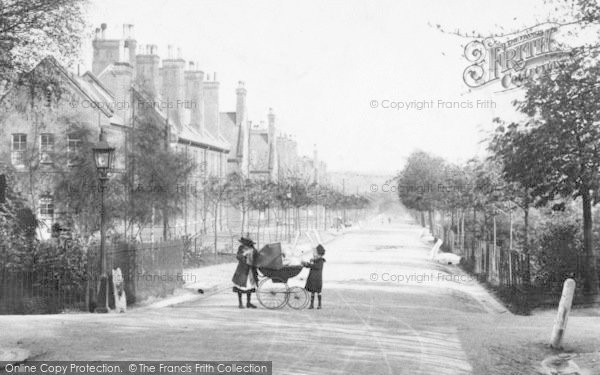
(314, 283)
(245, 277)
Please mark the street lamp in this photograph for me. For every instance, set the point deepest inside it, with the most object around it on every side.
(103, 157)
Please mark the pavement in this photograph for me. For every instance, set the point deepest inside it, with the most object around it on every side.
(387, 309)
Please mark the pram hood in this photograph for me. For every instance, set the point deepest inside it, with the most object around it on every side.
(270, 256)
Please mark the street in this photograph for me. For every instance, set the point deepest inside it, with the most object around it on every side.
(386, 310)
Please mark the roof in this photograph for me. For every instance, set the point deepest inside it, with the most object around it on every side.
(185, 133)
(87, 86)
(92, 90)
(231, 132)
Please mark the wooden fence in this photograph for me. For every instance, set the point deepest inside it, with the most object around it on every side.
(497, 265)
(521, 276)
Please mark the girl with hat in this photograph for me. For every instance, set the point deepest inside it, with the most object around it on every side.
(245, 277)
(314, 283)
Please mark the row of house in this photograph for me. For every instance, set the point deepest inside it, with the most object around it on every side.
(125, 78)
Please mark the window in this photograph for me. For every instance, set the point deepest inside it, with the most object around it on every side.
(73, 147)
(19, 147)
(46, 148)
(47, 207)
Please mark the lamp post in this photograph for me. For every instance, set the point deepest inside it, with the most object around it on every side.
(103, 157)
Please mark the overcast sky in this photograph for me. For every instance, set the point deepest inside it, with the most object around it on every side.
(319, 64)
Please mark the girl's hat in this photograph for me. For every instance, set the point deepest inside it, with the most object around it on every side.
(246, 241)
(320, 250)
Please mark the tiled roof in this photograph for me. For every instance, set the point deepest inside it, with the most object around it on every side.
(185, 133)
(92, 90)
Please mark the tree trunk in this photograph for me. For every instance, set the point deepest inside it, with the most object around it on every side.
(215, 227)
(307, 220)
(153, 225)
(258, 231)
(243, 221)
(590, 284)
(484, 232)
(165, 224)
(431, 228)
(527, 272)
(462, 231)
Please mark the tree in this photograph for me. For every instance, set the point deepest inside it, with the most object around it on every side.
(30, 30)
(283, 197)
(238, 195)
(561, 143)
(261, 196)
(76, 187)
(159, 173)
(299, 197)
(419, 182)
(17, 230)
(215, 192)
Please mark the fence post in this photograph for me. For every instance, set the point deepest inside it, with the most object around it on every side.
(564, 307)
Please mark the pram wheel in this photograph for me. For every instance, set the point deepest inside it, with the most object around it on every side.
(298, 298)
(272, 294)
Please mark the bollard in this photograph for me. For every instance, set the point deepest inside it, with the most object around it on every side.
(564, 308)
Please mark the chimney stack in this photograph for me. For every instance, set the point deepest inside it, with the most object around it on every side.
(173, 87)
(106, 51)
(130, 44)
(211, 107)
(147, 70)
(194, 95)
(240, 107)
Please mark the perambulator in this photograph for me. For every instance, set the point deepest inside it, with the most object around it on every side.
(273, 291)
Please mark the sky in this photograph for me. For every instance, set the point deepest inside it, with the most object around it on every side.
(324, 65)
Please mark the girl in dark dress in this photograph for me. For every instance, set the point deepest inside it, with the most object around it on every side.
(245, 278)
(314, 283)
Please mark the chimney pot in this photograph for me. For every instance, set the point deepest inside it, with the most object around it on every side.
(170, 51)
(103, 30)
(179, 54)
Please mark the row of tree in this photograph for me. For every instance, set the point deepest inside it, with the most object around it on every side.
(154, 184)
(549, 159)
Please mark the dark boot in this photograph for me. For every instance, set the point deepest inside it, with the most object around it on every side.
(319, 297)
(248, 304)
(241, 306)
(312, 301)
